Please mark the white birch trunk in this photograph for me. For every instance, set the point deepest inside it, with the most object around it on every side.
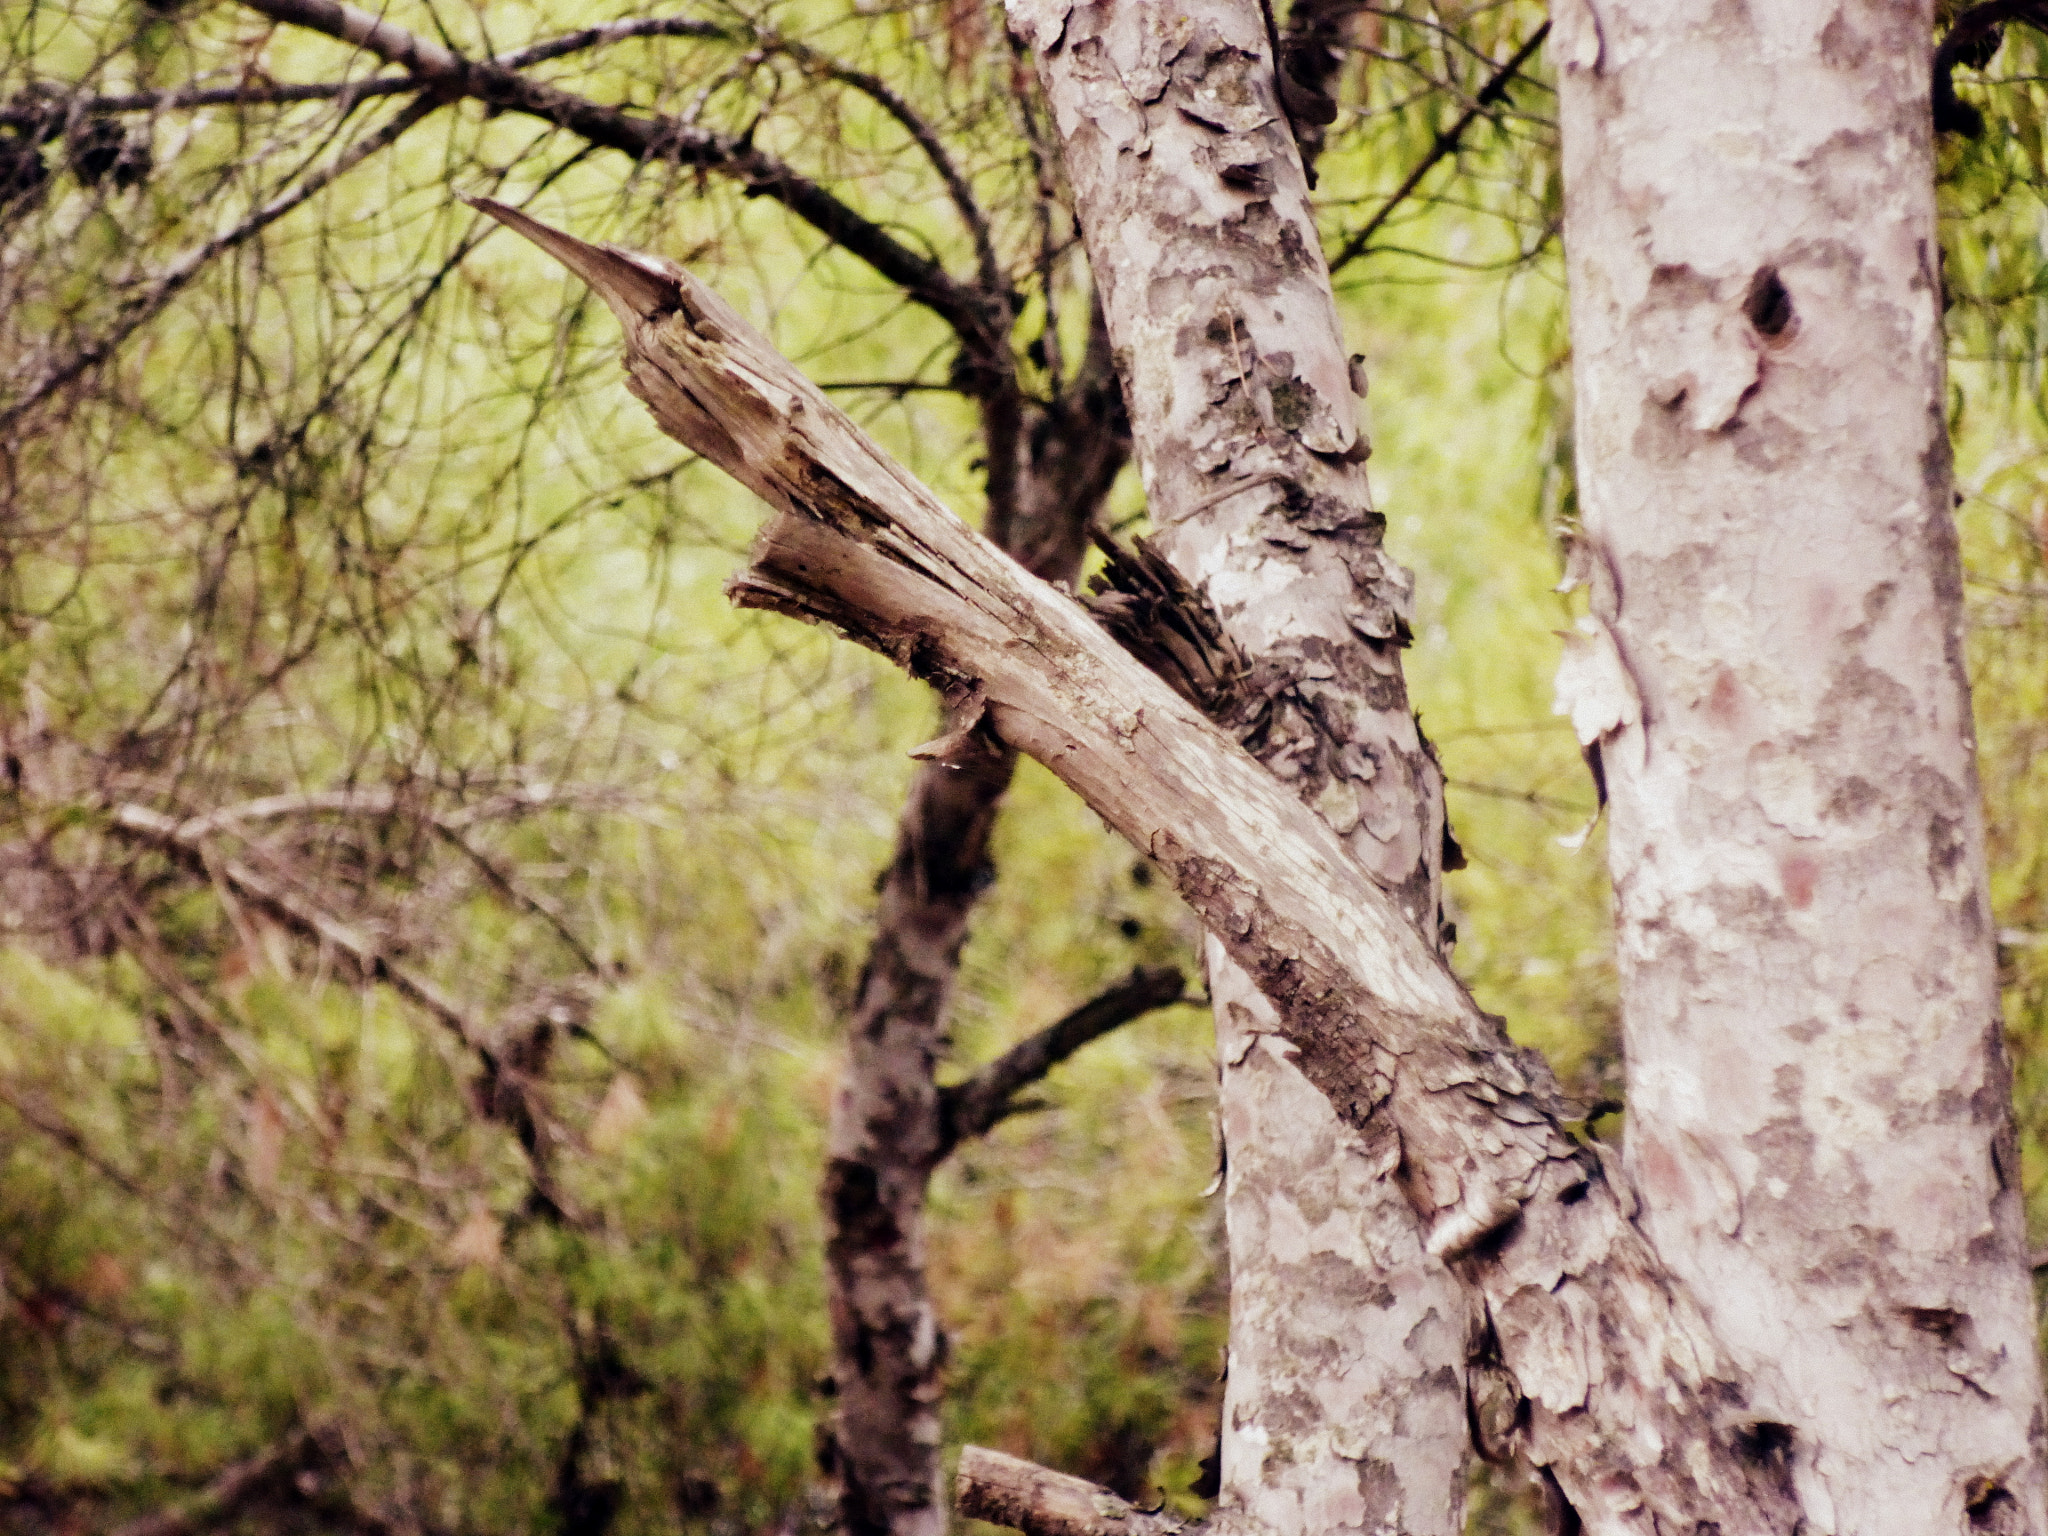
(1344, 1408)
(1818, 1103)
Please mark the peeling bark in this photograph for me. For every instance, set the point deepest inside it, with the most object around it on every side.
(1628, 1398)
(891, 1122)
(1344, 1405)
(1819, 1112)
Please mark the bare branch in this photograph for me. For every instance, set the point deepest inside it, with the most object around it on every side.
(521, 898)
(976, 1106)
(509, 803)
(297, 912)
(877, 90)
(220, 1500)
(46, 115)
(497, 85)
(1005, 1490)
(506, 1092)
(610, 32)
(145, 306)
(1446, 142)
(195, 830)
(70, 1138)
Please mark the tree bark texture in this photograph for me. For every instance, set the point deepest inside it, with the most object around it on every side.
(1628, 1399)
(1819, 1111)
(889, 1129)
(1344, 1405)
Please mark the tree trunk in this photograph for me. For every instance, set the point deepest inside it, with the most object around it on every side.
(888, 1128)
(1773, 676)
(1344, 1406)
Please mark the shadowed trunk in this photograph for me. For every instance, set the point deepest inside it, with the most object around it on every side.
(889, 1129)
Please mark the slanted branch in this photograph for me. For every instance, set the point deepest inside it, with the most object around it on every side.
(1628, 1396)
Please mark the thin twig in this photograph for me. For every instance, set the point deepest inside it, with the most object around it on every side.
(525, 900)
(47, 114)
(71, 1139)
(877, 90)
(1446, 142)
(147, 305)
(610, 32)
(1522, 796)
(923, 279)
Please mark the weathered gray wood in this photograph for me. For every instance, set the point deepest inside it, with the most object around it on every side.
(1819, 1110)
(1006, 1491)
(1630, 1401)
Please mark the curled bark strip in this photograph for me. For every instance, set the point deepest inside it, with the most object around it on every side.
(1630, 1399)
(1156, 616)
(1004, 1490)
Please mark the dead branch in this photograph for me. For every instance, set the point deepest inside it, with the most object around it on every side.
(1616, 1364)
(1004, 1490)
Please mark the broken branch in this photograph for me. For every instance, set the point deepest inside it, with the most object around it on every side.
(1616, 1364)
(1004, 1490)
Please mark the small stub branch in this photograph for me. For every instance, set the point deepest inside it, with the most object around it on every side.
(1628, 1398)
(1040, 1502)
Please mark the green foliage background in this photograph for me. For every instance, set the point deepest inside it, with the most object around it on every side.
(367, 508)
